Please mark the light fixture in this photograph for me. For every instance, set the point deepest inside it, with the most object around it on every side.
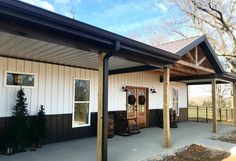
(153, 90)
(124, 88)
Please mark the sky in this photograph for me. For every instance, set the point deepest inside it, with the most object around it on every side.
(137, 19)
(132, 18)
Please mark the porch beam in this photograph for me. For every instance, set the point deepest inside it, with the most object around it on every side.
(234, 101)
(182, 62)
(166, 116)
(133, 69)
(214, 105)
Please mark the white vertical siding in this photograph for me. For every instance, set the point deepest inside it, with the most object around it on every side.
(41, 90)
(48, 93)
(117, 97)
(66, 89)
(36, 96)
(11, 92)
(27, 68)
(3, 91)
(182, 87)
(54, 87)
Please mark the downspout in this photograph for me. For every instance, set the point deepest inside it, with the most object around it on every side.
(105, 97)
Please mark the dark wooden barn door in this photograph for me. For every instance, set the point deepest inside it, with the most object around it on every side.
(138, 109)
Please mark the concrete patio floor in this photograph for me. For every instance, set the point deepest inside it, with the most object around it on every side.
(133, 148)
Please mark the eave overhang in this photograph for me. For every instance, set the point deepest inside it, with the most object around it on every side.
(29, 17)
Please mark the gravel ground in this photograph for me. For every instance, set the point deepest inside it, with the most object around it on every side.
(229, 137)
(195, 153)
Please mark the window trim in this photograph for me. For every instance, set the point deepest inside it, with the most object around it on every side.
(73, 101)
(17, 72)
(177, 114)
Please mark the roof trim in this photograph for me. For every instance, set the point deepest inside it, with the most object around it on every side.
(223, 76)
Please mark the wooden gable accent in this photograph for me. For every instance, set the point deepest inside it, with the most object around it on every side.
(192, 63)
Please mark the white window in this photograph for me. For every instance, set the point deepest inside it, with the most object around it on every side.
(19, 79)
(81, 110)
(175, 100)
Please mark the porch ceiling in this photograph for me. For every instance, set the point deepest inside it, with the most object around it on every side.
(32, 22)
(30, 49)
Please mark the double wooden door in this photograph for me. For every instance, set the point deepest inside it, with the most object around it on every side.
(137, 105)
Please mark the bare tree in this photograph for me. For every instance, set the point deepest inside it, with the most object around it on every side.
(223, 95)
(214, 18)
(153, 34)
(224, 92)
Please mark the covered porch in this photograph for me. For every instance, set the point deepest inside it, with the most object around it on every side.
(133, 148)
(48, 38)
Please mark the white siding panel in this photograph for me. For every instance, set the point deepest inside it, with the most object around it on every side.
(95, 92)
(66, 90)
(73, 76)
(54, 87)
(3, 90)
(41, 81)
(91, 76)
(48, 89)
(11, 91)
(60, 90)
(27, 68)
(35, 95)
(117, 98)
(182, 87)
(182, 93)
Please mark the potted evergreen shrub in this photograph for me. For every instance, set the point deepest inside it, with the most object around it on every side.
(18, 128)
(6, 142)
(9, 142)
(38, 129)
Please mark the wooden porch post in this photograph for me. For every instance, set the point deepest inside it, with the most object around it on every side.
(166, 116)
(214, 105)
(234, 101)
(102, 108)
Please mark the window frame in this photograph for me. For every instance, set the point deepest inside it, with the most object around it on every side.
(74, 102)
(175, 88)
(23, 73)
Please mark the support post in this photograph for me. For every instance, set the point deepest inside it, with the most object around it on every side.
(197, 113)
(166, 116)
(234, 102)
(214, 105)
(102, 120)
(102, 108)
(226, 112)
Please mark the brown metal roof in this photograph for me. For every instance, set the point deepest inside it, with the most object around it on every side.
(176, 46)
